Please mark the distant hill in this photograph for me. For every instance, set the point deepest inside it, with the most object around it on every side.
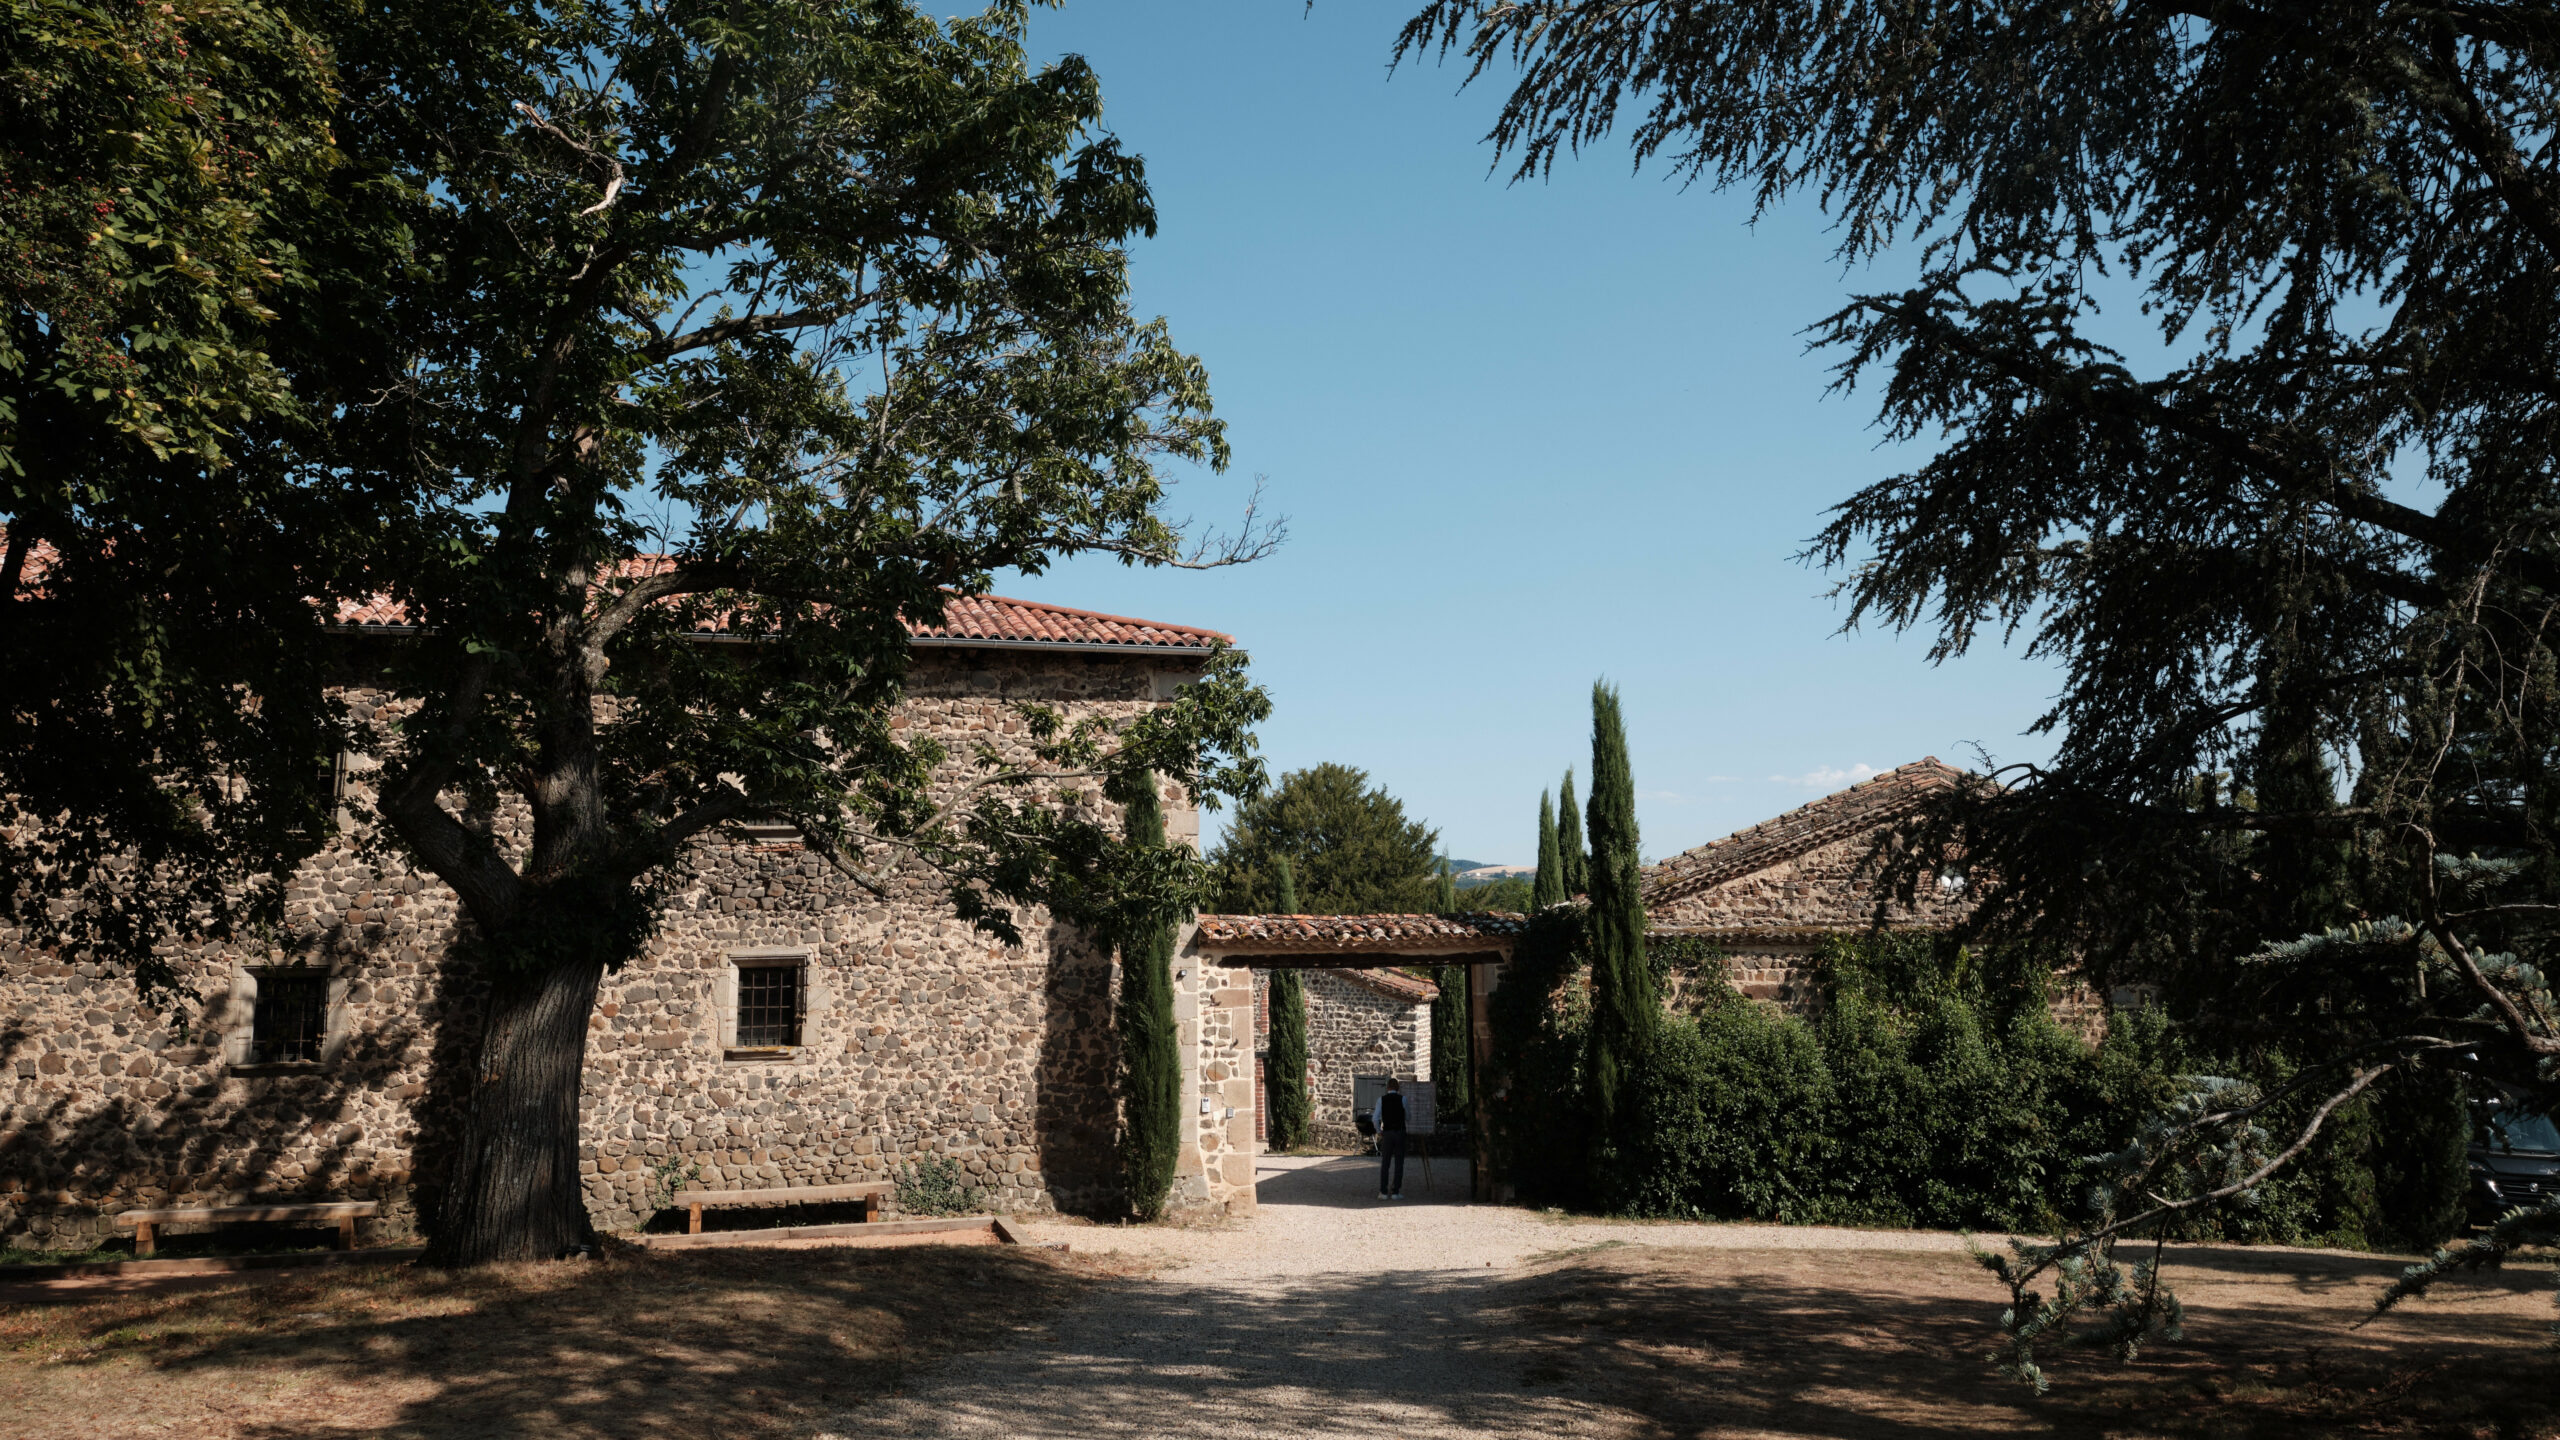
(1472, 873)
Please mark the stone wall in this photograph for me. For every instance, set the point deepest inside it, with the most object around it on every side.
(1354, 1030)
(923, 1037)
(1826, 889)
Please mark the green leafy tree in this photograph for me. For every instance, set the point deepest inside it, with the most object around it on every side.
(1150, 1058)
(1575, 860)
(167, 169)
(1350, 847)
(1447, 903)
(1291, 1107)
(840, 296)
(1546, 887)
(2313, 521)
(1625, 1007)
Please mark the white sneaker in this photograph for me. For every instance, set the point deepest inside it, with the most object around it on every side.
(1382, 1194)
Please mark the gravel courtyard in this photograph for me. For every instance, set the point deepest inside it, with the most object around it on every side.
(1331, 1313)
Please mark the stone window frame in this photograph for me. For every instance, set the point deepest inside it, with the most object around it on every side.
(239, 1026)
(813, 993)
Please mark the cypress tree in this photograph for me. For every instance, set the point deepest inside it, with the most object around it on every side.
(1150, 1063)
(1284, 1067)
(1624, 1007)
(1577, 861)
(1548, 888)
(1449, 1051)
(1449, 1018)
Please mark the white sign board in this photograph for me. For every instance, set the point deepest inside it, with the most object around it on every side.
(1419, 1112)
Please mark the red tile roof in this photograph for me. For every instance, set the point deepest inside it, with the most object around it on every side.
(1393, 984)
(1357, 934)
(966, 620)
(1837, 816)
(993, 617)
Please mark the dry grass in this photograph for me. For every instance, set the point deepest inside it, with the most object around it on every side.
(1737, 1343)
(699, 1344)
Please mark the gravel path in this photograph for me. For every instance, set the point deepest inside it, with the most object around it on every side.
(1329, 1313)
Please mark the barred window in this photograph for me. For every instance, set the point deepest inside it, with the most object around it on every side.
(291, 1017)
(769, 1006)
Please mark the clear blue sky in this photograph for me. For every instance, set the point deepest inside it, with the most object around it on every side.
(1526, 436)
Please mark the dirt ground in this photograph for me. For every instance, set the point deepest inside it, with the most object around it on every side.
(699, 1344)
(1329, 1313)
(1697, 1342)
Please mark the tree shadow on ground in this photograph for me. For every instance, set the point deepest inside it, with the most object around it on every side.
(728, 1343)
(1887, 1345)
(1865, 1345)
(1350, 1183)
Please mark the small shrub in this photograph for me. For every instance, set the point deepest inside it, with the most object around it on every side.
(934, 1186)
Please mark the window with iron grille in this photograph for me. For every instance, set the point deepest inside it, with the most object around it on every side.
(768, 1006)
(291, 1018)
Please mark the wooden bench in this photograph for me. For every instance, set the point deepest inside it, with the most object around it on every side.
(145, 1223)
(868, 1192)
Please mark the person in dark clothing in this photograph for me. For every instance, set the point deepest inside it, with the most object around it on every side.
(1388, 1117)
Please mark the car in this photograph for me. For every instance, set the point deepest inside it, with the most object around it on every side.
(2515, 1160)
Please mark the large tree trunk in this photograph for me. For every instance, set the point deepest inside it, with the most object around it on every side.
(514, 1192)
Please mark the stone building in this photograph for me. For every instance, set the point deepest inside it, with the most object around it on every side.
(1768, 896)
(1359, 1022)
(781, 1028)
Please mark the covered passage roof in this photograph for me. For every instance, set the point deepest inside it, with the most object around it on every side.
(1345, 939)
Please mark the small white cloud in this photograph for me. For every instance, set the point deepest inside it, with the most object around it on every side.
(1828, 777)
(1667, 797)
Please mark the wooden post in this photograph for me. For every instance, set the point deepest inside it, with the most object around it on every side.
(346, 1232)
(145, 1238)
(693, 1222)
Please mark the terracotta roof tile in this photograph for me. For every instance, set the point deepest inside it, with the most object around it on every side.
(1354, 934)
(992, 619)
(1856, 810)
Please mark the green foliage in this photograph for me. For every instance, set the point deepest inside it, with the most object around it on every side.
(2342, 220)
(1291, 1106)
(935, 1185)
(1537, 1113)
(1287, 895)
(1509, 896)
(1451, 1047)
(1546, 887)
(609, 324)
(1446, 902)
(166, 170)
(1933, 1089)
(1626, 1003)
(1570, 855)
(668, 1175)
(1150, 1058)
(1350, 848)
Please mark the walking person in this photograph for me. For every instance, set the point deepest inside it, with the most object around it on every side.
(1388, 1119)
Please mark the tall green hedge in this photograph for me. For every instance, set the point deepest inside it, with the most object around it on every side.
(1933, 1089)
